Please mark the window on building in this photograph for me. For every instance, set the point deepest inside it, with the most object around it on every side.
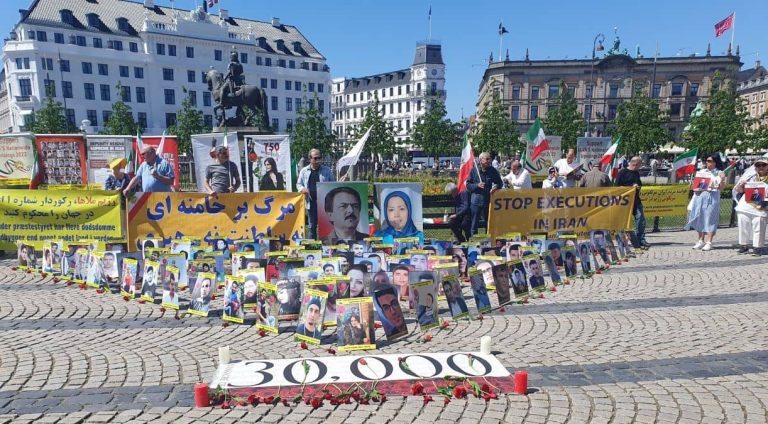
(321, 106)
(656, 91)
(320, 88)
(311, 103)
(311, 87)
(133, 47)
(613, 90)
(125, 71)
(208, 120)
(273, 84)
(160, 49)
(399, 107)
(259, 61)
(70, 113)
(612, 111)
(264, 83)
(167, 74)
(207, 98)
(534, 92)
(534, 112)
(677, 89)
(105, 92)
(58, 38)
(243, 57)
(407, 107)
(66, 89)
(217, 55)
(141, 119)
(298, 104)
(105, 114)
(126, 93)
(97, 43)
(691, 108)
(589, 91)
(297, 85)
(694, 89)
(588, 112)
(292, 64)
(193, 97)
(288, 104)
(90, 91)
(515, 91)
(50, 87)
(191, 76)
(171, 50)
(274, 102)
(354, 113)
(92, 116)
(515, 113)
(418, 105)
(170, 96)
(267, 61)
(275, 125)
(79, 41)
(42, 36)
(103, 69)
(281, 63)
(170, 120)
(554, 90)
(288, 85)
(675, 109)
(140, 95)
(47, 63)
(115, 45)
(314, 67)
(138, 73)
(190, 52)
(25, 87)
(289, 124)
(391, 108)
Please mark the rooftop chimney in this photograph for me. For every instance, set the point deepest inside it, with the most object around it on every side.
(149, 3)
(276, 22)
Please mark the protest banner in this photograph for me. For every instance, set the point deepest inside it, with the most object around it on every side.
(101, 151)
(259, 148)
(167, 148)
(17, 159)
(591, 149)
(38, 215)
(61, 159)
(666, 200)
(546, 159)
(573, 209)
(201, 150)
(231, 217)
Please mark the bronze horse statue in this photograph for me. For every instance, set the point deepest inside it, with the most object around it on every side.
(252, 97)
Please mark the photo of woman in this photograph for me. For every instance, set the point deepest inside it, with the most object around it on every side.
(398, 212)
(272, 178)
(357, 274)
(355, 324)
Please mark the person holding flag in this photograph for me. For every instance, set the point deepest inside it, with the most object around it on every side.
(630, 177)
(481, 184)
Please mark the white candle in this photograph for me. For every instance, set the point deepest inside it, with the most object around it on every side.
(485, 345)
(223, 355)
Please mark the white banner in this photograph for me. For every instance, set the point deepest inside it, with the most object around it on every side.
(260, 147)
(349, 369)
(101, 151)
(591, 149)
(201, 151)
(546, 158)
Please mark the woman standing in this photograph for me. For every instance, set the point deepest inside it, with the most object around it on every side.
(272, 179)
(704, 215)
(751, 207)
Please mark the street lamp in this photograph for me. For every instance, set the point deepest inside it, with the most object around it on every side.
(597, 46)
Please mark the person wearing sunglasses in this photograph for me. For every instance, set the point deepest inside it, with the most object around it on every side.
(752, 216)
(309, 176)
(704, 214)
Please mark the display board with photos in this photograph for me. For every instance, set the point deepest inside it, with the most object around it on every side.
(61, 159)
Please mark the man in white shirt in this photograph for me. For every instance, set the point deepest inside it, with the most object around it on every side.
(566, 168)
(518, 178)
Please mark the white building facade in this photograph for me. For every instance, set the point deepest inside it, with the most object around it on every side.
(81, 49)
(404, 95)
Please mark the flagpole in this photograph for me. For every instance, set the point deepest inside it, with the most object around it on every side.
(733, 29)
(501, 38)
(429, 36)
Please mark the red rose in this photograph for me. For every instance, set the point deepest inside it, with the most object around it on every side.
(553, 289)
(262, 333)
(446, 401)
(252, 156)
(481, 317)
(446, 324)
(427, 399)
(126, 298)
(363, 361)
(428, 338)
(303, 345)
(541, 295)
(417, 389)
(331, 350)
(459, 392)
(316, 403)
(503, 309)
(225, 325)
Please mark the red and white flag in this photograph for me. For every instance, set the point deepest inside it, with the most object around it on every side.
(724, 25)
(467, 163)
(211, 3)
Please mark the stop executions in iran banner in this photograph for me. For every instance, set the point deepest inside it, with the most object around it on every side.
(549, 210)
(35, 215)
(232, 216)
(17, 159)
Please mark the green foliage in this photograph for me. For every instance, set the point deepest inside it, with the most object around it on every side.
(496, 131)
(311, 131)
(189, 121)
(724, 123)
(381, 142)
(759, 136)
(120, 121)
(434, 134)
(641, 125)
(565, 120)
(51, 118)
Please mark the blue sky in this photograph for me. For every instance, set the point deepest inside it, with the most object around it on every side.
(362, 37)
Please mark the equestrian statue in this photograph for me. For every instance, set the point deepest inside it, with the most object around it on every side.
(231, 91)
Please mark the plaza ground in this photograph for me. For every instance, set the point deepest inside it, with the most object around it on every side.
(675, 335)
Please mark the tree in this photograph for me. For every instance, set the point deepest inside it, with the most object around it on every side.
(311, 131)
(496, 131)
(381, 143)
(120, 121)
(189, 121)
(641, 125)
(434, 134)
(565, 119)
(724, 123)
(50, 119)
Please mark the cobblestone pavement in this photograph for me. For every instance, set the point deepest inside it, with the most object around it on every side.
(675, 335)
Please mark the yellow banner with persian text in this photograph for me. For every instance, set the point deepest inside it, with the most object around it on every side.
(551, 210)
(667, 200)
(34, 216)
(233, 216)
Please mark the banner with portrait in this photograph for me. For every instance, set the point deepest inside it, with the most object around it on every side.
(666, 200)
(546, 159)
(397, 209)
(342, 211)
(268, 151)
(17, 159)
(591, 149)
(167, 148)
(101, 151)
(549, 210)
(61, 159)
(201, 150)
(229, 217)
(33, 216)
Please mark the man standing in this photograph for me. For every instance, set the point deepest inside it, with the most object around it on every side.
(630, 177)
(222, 177)
(155, 173)
(568, 168)
(461, 219)
(481, 183)
(342, 205)
(594, 177)
(518, 178)
(306, 183)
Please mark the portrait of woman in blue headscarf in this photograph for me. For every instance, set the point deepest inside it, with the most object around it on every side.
(398, 217)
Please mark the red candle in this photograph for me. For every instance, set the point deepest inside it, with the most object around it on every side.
(201, 395)
(521, 382)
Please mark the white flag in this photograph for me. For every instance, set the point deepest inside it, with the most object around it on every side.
(351, 158)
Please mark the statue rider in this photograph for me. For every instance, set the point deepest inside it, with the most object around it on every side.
(234, 75)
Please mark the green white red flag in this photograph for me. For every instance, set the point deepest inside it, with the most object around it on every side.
(685, 163)
(540, 142)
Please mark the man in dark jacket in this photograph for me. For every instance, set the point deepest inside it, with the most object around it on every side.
(594, 177)
(630, 177)
(482, 181)
(461, 219)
